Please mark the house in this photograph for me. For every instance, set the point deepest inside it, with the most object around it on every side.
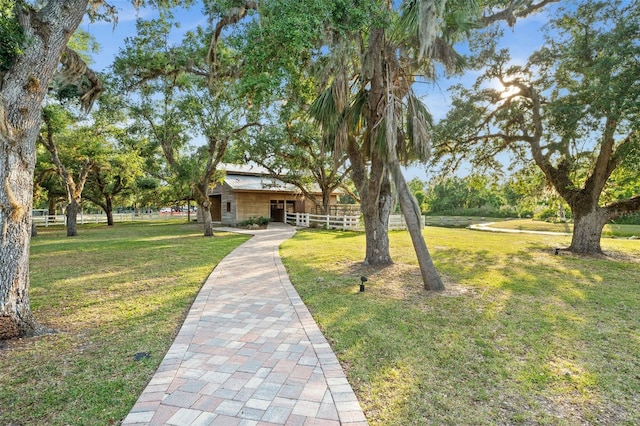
(250, 192)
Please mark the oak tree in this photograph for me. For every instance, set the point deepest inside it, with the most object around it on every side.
(573, 108)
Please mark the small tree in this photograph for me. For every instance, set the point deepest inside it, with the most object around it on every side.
(73, 164)
(118, 161)
(183, 97)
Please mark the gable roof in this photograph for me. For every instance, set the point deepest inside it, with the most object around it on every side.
(260, 183)
(248, 169)
(252, 177)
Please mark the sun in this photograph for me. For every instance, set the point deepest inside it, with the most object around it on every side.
(505, 92)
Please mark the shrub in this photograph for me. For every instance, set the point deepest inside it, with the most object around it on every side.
(631, 219)
(261, 221)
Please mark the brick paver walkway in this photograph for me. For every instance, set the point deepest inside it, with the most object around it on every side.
(249, 353)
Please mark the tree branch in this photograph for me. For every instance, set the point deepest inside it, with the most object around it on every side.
(75, 71)
(235, 15)
(603, 167)
(623, 207)
(240, 129)
(510, 14)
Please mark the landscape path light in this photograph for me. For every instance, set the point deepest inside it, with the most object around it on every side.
(363, 280)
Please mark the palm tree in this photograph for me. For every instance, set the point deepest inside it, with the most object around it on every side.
(388, 120)
(371, 111)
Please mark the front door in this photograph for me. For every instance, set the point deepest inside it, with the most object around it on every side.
(277, 210)
(216, 207)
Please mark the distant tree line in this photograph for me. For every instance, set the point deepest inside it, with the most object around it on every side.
(523, 195)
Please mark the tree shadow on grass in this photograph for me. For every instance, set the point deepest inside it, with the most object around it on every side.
(538, 338)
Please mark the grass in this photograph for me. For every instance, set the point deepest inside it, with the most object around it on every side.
(521, 336)
(610, 230)
(110, 293)
(459, 221)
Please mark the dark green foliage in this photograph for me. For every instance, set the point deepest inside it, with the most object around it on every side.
(12, 37)
(632, 219)
(261, 221)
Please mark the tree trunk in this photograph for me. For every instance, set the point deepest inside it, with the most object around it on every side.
(377, 240)
(375, 213)
(51, 201)
(16, 188)
(22, 89)
(375, 203)
(374, 188)
(71, 213)
(587, 230)
(411, 213)
(326, 199)
(109, 210)
(206, 218)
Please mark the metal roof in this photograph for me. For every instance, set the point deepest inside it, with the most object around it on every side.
(251, 177)
(261, 183)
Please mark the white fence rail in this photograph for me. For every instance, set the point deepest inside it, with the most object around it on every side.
(323, 221)
(60, 219)
(306, 220)
(396, 221)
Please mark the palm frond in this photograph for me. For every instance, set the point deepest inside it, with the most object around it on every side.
(391, 126)
(430, 27)
(419, 123)
(358, 110)
(341, 139)
(324, 111)
(444, 53)
(340, 91)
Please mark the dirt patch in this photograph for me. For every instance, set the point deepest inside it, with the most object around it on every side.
(402, 282)
(617, 256)
(8, 327)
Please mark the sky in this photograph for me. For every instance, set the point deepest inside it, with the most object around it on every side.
(522, 40)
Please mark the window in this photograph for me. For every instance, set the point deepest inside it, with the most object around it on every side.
(228, 207)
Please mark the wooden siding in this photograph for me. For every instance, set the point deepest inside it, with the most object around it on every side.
(238, 206)
(216, 208)
(252, 204)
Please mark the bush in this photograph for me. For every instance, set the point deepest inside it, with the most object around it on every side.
(485, 211)
(260, 221)
(550, 214)
(631, 219)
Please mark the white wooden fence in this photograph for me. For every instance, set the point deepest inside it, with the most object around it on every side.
(306, 220)
(49, 220)
(396, 221)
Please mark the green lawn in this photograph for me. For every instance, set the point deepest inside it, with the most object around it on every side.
(610, 230)
(521, 336)
(110, 293)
